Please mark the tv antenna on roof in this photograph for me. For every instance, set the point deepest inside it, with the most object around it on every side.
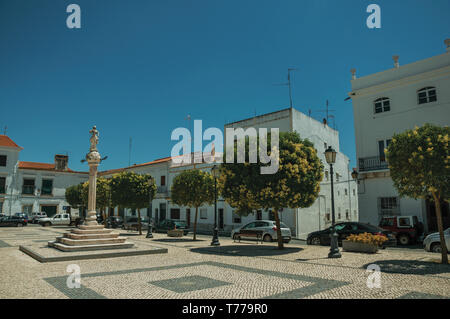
(5, 130)
(288, 83)
(327, 112)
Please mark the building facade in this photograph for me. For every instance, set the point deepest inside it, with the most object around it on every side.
(34, 187)
(41, 187)
(391, 102)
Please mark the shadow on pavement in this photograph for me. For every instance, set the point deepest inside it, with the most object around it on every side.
(177, 240)
(410, 267)
(247, 250)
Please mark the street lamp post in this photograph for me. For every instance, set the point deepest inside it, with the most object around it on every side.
(330, 156)
(150, 222)
(215, 173)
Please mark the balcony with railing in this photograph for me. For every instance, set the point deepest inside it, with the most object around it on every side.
(374, 163)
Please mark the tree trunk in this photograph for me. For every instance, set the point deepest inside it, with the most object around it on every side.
(279, 236)
(139, 221)
(437, 203)
(195, 224)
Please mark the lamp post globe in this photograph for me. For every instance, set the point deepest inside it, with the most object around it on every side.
(215, 172)
(330, 156)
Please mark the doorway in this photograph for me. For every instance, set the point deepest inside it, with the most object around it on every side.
(431, 216)
(188, 217)
(162, 212)
(50, 210)
(221, 223)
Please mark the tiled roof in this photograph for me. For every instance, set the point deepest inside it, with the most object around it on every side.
(44, 166)
(6, 141)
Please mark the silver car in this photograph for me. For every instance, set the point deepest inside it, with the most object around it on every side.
(269, 229)
(433, 243)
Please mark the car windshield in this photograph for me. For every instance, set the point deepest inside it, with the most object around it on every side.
(283, 225)
(180, 223)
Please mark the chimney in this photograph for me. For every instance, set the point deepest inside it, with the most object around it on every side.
(447, 43)
(396, 64)
(353, 71)
(61, 162)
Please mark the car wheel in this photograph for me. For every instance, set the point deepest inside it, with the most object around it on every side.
(235, 237)
(315, 241)
(436, 248)
(267, 238)
(404, 240)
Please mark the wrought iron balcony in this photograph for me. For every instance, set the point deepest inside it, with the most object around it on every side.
(374, 163)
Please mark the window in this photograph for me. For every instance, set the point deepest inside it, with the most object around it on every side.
(325, 145)
(163, 180)
(47, 187)
(354, 193)
(346, 192)
(382, 105)
(404, 222)
(236, 218)
(382, 144)
(28, 187)
(27, 209)
(427, 95)
(174, 213)
(203, 213)
(337, 177)
(3, 160)
(347, 215)
(259, 215)
(1, 207)
(2, 185)
(326, 174)
(271, 215)
(388, 206)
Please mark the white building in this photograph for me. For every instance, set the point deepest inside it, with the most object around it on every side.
(305, 220)
(391, 102)
(29, 180)
(301, 221)
(33, 187)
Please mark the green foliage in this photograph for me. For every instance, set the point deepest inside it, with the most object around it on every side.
(419, 166)
(132, 190)
(73, 195)
(193, 188)
(419, 162)
(103, 197)
(296, 183)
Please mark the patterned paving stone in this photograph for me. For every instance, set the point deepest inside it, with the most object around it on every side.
(190, 283)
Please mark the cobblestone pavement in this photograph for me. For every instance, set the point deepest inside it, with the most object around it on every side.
(233, 270)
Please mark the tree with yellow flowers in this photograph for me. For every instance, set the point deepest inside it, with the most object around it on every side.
(419, 166)
(296, 183)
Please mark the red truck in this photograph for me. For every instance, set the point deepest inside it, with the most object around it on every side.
(407, 229)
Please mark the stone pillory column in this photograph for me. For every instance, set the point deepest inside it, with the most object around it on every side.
(91, 235)
(93, 158)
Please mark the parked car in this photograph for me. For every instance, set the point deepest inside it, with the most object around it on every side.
(269, 229)
(58, 219)
(36, 216)
(132, 223)
(169, 224)
(12, 221)
(433, 242)
(23, 215)
(322, 237)
(114, 222)
(407, 229)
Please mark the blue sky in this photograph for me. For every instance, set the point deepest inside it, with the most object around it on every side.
(138, 68)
